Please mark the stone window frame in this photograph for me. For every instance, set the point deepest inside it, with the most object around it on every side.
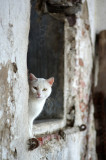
(58, 124)
(54, 125)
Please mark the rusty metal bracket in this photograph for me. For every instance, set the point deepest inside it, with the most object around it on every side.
(33, 143)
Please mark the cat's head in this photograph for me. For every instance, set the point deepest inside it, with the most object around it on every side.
(40, 88)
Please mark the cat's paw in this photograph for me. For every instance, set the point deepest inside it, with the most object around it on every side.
(32, 144)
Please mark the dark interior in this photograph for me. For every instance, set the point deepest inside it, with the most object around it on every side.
(46, 58)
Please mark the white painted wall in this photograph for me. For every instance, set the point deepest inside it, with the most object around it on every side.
(14, 29)
(91, 10)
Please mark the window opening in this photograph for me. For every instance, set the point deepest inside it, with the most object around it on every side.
(46, 58)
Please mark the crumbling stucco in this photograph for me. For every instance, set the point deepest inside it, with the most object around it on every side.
(14, 29)
(78, 60)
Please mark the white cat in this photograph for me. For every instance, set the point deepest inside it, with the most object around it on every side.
(39, 90)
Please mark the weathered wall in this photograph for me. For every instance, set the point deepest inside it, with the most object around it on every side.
(80, 88)
(14, 28)
(79, 53)
(92, 16)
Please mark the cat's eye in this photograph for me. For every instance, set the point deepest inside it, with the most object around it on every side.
(35, 88)
(45, 89)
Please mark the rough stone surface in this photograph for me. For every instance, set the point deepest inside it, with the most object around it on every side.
(14, 28)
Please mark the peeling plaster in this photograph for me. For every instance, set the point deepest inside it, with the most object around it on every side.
(14, 91)
(14, 29)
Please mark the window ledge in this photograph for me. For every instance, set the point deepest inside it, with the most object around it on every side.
(45, 126)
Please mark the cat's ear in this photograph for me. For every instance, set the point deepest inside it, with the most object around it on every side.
(32, 77)
(50, 80)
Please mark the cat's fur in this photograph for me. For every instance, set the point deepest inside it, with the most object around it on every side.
(39, 90)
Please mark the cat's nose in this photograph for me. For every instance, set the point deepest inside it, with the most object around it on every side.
(38, 94)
